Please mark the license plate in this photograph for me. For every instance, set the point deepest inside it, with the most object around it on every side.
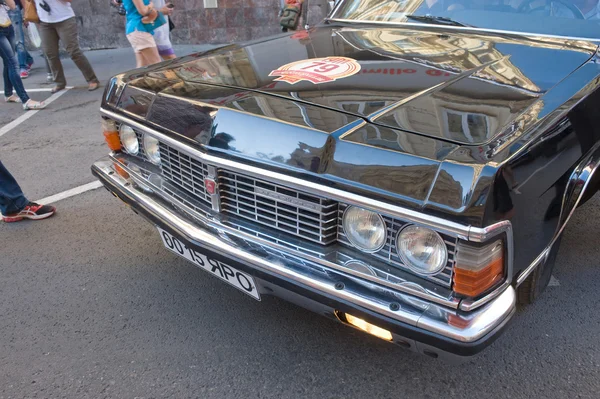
(240, 280)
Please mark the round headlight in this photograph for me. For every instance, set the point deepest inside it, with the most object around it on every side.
(365, 229)
(422, 250)
(129, 140)
(151, 149)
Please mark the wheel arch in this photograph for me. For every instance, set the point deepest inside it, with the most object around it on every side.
(583, 182)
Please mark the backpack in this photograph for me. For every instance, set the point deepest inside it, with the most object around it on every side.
(290, 15)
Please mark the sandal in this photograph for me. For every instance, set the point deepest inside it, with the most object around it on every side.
(93, 86)
(12, 99)
(33, 105)
(56, 89)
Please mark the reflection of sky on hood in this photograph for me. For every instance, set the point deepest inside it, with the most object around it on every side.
(558, 63)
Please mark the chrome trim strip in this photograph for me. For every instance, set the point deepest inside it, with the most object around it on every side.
(466, 28)
(444, 226)
(463, 327)
(582, 179)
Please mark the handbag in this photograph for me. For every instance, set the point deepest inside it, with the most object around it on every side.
(159, 21)
(30, 12)
(171, 25)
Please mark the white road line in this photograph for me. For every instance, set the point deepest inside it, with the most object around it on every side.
(37, 90)
(28, 114)
(70, 193)
(553, 282)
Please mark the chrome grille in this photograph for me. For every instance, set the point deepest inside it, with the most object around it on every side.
(184, 172)
(307, 216)
(389, 253)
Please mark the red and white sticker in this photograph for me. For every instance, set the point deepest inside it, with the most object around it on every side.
(317, 70)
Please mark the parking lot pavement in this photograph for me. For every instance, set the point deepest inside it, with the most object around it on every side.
(92, 306)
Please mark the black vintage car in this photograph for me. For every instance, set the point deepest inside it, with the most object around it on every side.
(406, 168)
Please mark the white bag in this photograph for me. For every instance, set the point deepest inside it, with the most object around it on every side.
(34, 36)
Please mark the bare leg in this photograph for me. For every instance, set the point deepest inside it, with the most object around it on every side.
(169, 57)
(149, 56)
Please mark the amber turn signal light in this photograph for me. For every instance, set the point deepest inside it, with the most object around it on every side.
(478, 269)
(111, 134)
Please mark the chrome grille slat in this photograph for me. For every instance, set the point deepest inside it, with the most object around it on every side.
(239, 197)
(184, 172)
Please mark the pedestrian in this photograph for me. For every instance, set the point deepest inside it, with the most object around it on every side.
(58, 23)
(25, 59)
(163, 32)
(141, 21)
(10, 64)
(14, 206)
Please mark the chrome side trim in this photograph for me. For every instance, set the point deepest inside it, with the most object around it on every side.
(580, 178)
(453, 229)
(453, 324)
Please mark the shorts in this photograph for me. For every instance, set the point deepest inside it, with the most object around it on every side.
(163, 41)
(141, 40)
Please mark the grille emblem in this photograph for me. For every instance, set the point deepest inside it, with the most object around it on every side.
(286, 199)
(211, 185)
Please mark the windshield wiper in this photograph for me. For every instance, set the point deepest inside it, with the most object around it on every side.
(432, 19)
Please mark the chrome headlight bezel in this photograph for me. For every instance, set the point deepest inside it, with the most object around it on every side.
(352, 239)
(151, 149)
(409, 263)
(129, 140)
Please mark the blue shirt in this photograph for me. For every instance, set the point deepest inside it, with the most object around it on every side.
(134, 18)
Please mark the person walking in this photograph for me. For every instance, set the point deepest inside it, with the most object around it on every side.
(10, 72)
(58, 23)
(25, 59)
(141, 21)
(162, 33)
(14, 206)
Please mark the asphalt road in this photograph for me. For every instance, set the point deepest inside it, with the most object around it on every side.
(92, 306)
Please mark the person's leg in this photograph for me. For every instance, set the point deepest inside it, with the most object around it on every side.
(13, 204)
(139, 59)
(23, 56)
(12, 199)
(10, 66)
(150, 56)
(67, 31)
(50, 47)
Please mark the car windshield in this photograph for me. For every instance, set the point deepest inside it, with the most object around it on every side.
(572, 18)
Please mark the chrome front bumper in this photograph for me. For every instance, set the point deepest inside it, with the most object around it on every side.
(422, 325)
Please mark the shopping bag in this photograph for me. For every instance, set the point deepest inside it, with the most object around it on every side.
(34, 35)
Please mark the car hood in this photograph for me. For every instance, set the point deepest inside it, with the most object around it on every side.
(463, 88)
(407, 126)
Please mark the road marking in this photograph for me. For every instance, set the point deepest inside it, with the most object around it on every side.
(553, 282)
(70, 193)
(28, 114)
(41, 89)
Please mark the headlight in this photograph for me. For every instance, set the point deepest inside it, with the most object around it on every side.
(422, 250)
(152, 150)
(129, 140)
(364, 229)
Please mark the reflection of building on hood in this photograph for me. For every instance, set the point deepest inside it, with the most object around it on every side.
(182, 117)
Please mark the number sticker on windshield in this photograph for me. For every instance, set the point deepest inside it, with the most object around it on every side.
(317, 70)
